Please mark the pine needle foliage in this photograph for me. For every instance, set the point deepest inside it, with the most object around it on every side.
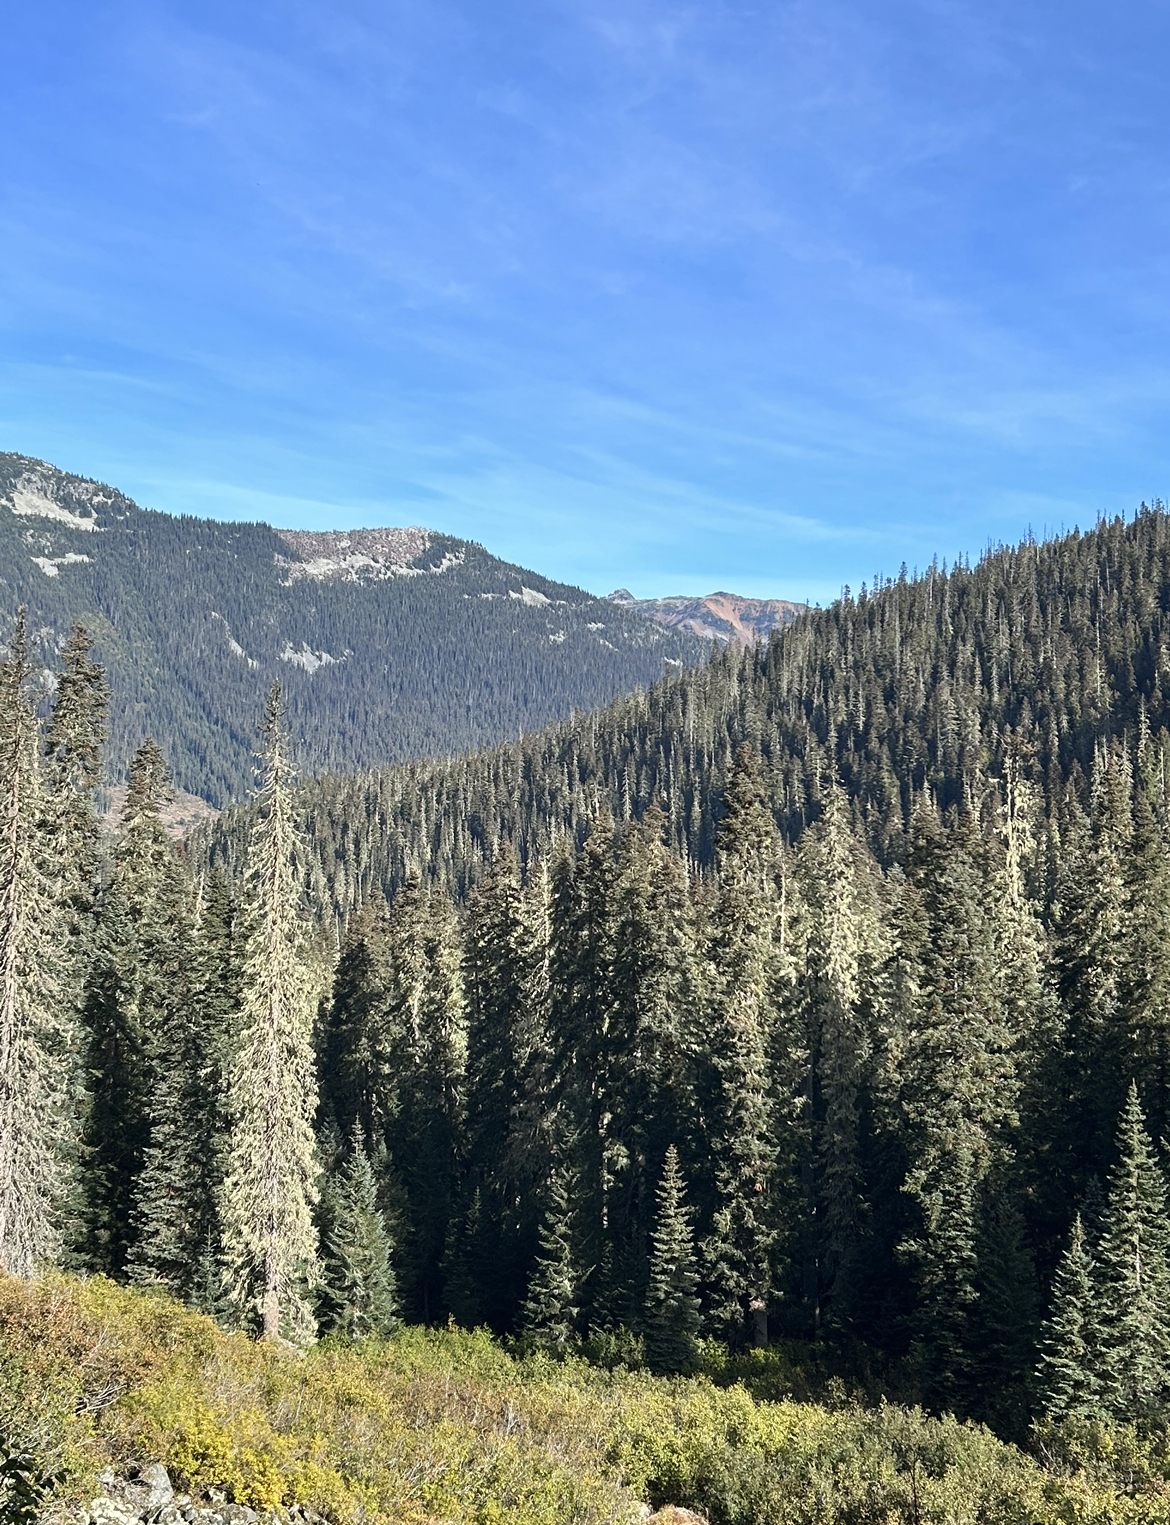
(168, 1217)
(745, 1108)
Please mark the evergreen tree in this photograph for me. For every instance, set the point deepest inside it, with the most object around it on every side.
(115, 1129)
(215, 997)
(504, 974)
(74, 738)
(1134, 1275)
(358, 1078)
(845, 954)
(745, 1110)
(1145, 975)
(270, 1187)
(169, 1214)
(552, 1309)
(957, 1089)
(1092, 915)
(358, 1275)
(1007, 1317)
(36, 1032)
(581, 959)
(653, 989)
(1069, 1376)
(672, 1308)
(427, 1046)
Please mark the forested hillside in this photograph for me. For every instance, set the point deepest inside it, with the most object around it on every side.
(396, 644)
(853, 1052)
(922, 687)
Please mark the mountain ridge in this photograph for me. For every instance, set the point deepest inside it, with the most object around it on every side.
(391, 643)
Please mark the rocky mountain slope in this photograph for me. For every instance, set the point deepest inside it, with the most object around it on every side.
(718, 617)
(391, 643)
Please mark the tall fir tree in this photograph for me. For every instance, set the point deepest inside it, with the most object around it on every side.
(358, 1076)
(114, 1128)
(745, 1105)
(215, 997)
(581, 958)
(672, 1306)
(504, 977)
(653, 989)
(74, 739)
(1091, 917)
(427, 1048)
(957, 1090)
(1145, 974)
(270, 1188)
(137, 1012)
(169, 1219)
(37, 1035)
(844, 958)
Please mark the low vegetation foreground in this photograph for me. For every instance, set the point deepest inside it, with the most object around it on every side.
(448, 1425)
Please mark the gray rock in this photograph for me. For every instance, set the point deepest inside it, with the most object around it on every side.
(154, 1480)
(113, 1511)
(148, 1498)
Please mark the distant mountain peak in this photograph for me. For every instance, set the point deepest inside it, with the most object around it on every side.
(716, 617)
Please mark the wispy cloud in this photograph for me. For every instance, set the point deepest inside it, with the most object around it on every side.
(628, 290)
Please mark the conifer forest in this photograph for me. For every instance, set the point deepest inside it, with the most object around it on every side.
(815, 1001)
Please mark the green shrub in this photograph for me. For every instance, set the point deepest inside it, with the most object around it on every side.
(447, 1426)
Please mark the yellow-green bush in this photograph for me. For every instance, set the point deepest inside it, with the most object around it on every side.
(446, 1426)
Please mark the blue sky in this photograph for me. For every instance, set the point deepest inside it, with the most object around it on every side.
(763, 296)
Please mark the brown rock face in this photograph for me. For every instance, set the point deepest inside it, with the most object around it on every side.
(718, 616)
